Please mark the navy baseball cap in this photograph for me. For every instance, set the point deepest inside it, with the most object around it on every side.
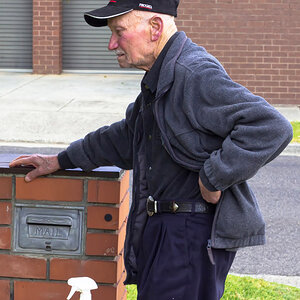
(114, 8)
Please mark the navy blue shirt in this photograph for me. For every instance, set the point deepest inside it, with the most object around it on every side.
(166, 179)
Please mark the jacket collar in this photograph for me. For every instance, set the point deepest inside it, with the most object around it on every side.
(167, 72)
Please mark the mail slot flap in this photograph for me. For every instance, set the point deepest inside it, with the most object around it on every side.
(48, 229)
(49, 220)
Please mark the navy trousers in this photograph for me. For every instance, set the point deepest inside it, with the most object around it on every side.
(173, 262)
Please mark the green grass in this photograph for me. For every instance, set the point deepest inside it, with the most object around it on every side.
(131, 292)
(296, 128)
(246, 288)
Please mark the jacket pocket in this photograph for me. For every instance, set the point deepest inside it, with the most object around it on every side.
(238, 220)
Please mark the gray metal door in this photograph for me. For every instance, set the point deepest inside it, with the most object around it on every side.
(16, 34)
(85, 47)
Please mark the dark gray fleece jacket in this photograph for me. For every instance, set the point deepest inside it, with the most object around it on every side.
(209, 124)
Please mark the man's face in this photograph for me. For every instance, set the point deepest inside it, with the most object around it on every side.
(131, 41)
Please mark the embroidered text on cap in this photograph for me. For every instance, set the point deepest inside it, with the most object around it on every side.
(145, 5)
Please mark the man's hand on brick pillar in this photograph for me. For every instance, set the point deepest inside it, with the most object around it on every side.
(43, 164)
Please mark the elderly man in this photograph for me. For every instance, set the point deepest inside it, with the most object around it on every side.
(192, 137)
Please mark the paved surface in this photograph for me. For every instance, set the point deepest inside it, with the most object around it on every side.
(44, 113)
(58, 109)
(277, 188)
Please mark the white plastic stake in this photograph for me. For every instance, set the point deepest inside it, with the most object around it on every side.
(84, 285)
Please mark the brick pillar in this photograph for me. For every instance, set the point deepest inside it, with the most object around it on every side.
(47, 37)
(33, 272)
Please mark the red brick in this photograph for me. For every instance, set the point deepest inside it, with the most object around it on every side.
(111, 292)
(39, 290)
(5, 238)
(124, 184)
(4, 290)
(106, 292)
(22, 267)
(98, 217)
(100, 271)
(105, 244)
(5, 212)
(5, 187)
(47, 20)
(108, 191)
(255, 25)
(121, 288)
(50, 189)
(104, 191)
(54, 291)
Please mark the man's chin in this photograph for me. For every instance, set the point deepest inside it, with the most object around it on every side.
(122, 62)
(125, 66)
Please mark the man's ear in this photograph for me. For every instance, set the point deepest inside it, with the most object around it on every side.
(157, 25)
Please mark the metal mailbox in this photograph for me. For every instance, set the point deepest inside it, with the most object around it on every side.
(48, 229)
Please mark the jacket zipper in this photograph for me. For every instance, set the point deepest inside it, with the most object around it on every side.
(213, 229)
(210, 252)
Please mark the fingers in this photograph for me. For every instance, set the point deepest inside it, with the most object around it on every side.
(44, 164)
(24, 160)
(32, 175)
(212, 197)
(209, 196)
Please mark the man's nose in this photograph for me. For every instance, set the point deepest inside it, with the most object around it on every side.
(113, 43)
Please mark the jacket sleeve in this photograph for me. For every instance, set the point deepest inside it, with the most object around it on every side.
(253, 132)
(108, 145)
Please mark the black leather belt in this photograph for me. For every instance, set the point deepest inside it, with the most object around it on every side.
(155, 207)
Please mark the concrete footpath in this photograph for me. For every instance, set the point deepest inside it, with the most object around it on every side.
(47, 112)
(58, 109)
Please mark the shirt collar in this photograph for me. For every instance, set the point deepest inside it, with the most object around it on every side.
(150, 79)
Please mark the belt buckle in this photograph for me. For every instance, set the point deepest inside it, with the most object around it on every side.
(173, 207)
(151, 206)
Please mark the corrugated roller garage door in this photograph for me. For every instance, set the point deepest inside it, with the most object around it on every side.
(16, 34)
(84, 46)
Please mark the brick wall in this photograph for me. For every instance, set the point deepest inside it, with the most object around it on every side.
(47, 37)
(257, 41)
(35, 276)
